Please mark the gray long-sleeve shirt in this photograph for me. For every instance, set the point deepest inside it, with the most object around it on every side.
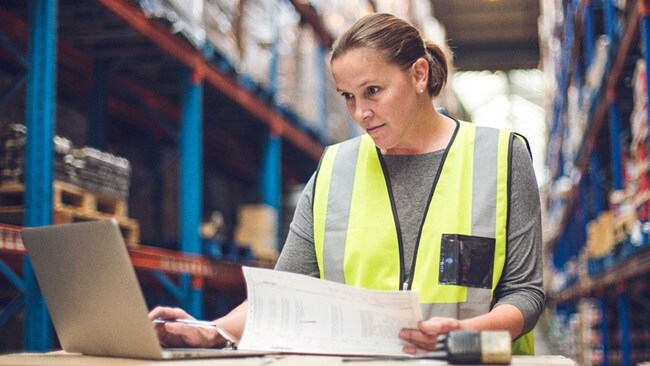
(521, 280)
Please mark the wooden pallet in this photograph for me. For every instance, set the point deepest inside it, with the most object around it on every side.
(70, 204)
(66, 195)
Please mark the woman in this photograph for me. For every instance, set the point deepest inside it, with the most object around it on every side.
(420, 201)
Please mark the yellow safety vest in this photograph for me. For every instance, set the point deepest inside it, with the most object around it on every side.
(356, 235)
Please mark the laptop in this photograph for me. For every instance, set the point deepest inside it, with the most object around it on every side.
(93, 295)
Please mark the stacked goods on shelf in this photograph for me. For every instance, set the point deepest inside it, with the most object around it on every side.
(222, 27)
(257, 228)
(89, 168)
(589, 339)
(600, 243)
(183, 15)
(13, 138)
(298, 72)
(638, 161)
(258, 33)
(577, 335)
(415, 11)
(274, 53)
(588, 63)
(630, 204)
(563, 328)
(102, 173)
(88, 184)
(337, 16)
(580, 99)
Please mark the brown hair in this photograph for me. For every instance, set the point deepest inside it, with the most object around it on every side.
(401, 43)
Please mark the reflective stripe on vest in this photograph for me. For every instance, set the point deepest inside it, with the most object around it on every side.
(357, 237)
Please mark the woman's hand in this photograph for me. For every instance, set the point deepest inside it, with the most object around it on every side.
(424, 338)
(174, 334)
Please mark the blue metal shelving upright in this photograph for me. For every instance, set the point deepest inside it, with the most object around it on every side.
(191, 183)
(40, 117)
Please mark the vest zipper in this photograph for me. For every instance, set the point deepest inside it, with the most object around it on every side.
(403, 277)
(407, 278)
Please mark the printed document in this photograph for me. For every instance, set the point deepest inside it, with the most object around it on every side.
(300, 314)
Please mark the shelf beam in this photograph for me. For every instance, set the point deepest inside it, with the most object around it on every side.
(634, 267)
(193, 59)
(223, 274)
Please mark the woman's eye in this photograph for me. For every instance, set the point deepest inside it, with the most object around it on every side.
(373, 90)
(347, 96)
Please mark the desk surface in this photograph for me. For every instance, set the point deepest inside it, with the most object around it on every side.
(61, 358)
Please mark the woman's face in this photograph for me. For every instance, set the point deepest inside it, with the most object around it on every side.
(380, 96)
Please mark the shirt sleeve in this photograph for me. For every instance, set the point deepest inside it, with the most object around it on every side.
(521, 280)
(298, 254)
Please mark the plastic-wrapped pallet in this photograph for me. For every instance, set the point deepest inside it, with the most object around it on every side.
(340, 125)
(413, 11)
(103, 173)
(338, 15)
(306, 99)
(301, 64)
(577, 116)
(63, 170)
(13, 138)
(638, 161)
(185, 17)
(221, 21)
(245, 32)
(595, 73)
(12, 161)
(289, 28)
(258, 33)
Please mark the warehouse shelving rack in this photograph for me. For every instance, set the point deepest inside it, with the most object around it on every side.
(41, 69)
(620, 289)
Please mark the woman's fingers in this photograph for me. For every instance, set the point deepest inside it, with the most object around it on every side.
(439, 325)
(425, 338)
(168, 313)
(173, 334)
(419, 339)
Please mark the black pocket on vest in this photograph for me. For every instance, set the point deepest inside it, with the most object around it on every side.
(466, 260)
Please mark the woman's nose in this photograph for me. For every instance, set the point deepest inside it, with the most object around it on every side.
(362, 112)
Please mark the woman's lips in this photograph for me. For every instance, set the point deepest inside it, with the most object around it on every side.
(371, 129)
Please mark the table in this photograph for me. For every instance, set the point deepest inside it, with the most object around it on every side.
(61, 358)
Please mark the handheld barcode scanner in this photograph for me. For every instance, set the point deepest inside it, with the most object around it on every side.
(466, 347)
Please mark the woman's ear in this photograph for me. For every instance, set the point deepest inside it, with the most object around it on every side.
(420, 72)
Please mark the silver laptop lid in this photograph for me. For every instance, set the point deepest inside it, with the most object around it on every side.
(91, 289)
